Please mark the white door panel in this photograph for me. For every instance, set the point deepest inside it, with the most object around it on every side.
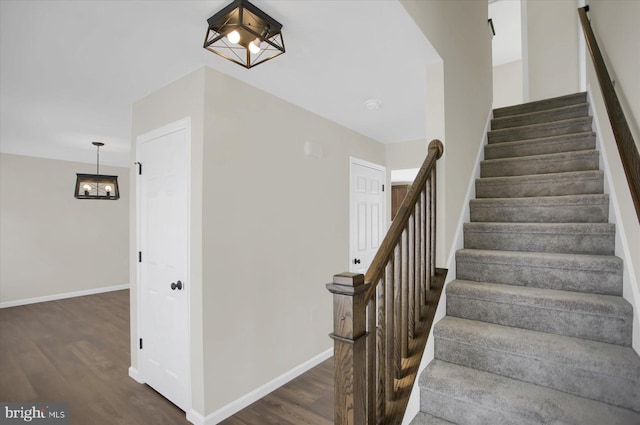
(367, 213)
(163, 242)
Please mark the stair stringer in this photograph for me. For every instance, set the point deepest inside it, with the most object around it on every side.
(628, 229)
(413, 406)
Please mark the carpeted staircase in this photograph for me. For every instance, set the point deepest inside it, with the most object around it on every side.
(537, 331)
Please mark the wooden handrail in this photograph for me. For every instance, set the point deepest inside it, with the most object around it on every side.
(624, 139)
(379, 262)
(382, 319)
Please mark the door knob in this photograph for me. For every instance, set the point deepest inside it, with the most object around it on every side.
(356, 261)
(175, 285)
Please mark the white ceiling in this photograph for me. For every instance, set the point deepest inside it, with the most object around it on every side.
(70, 70)
(507, 43)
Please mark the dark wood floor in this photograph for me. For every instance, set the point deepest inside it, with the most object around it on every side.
(77, 351)
(306, 400)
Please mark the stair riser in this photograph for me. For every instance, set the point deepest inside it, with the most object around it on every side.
(553, 374)
(463, 413)
(564, 279)
(593, 213)
(568, 143)
(524, 189)
(582, 243)
(558, 102)
(551, 115)
(468, 397)
(612, 330)
(559, 128)
(527, 166)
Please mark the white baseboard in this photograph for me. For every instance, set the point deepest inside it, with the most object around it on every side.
(135, 375)
(255, 395)
(54, 297)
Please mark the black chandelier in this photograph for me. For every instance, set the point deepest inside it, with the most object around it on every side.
(244, 34)
(97, 186)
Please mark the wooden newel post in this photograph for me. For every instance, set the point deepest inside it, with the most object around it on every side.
(349, 350)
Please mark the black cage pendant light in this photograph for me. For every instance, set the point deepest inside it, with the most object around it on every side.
(244, 34)
(97, 186)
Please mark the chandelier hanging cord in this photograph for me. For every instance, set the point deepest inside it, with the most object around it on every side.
(97, 145)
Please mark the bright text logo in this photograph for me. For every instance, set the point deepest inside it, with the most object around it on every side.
(34, 413)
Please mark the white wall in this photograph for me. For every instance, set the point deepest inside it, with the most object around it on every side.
(615, 25)
(51, 243)
(551, 47)
(616, 29)
(507, 84)
(275, 230)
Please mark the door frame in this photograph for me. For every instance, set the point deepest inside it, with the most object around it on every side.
(182, 124)
(364, 163)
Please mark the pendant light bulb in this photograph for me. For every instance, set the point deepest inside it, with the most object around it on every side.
(254, 46)
(233, 37)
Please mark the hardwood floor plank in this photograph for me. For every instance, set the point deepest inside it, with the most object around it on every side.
(13, 376)
(306, 400)
(77, 351)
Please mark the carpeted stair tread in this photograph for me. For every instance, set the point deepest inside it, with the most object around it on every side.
(536, 131)
(543, 209)
(553, 184)
(603, 318)
(468, 396)
(564, 143)
(536, 117)
(426, 419)
(541, 164)
(536, 328)
(603, 372)
(541, 105)
(573, 238)
(596, 274)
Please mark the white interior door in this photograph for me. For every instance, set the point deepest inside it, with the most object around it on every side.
(367, 213)
(163, 235)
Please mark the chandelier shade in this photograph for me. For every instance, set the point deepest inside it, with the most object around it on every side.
(97, 186)
(244, 34)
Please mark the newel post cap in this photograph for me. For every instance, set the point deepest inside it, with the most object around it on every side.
(437, 144)
(347, 284)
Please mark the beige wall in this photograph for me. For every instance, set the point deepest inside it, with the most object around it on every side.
(617, 33)
(275, 231)
(458, 31)
(403, 155)
(551, 48)
(52, 243)
(269, 229)
(507, 84)
(183, 98)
